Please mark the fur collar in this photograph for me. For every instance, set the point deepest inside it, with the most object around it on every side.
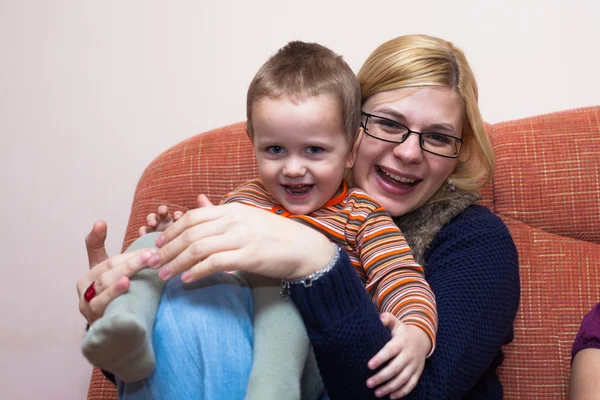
(422, 225)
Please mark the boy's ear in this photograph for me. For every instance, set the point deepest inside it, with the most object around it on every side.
(354, 150)
(248, 133)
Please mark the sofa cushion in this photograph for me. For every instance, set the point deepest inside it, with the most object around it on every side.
(559, 284)
(548, 172)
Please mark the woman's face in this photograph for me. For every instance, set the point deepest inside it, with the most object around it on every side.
(402, 177)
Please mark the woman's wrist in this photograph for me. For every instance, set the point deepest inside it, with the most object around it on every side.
(314, 254)
(307, 280)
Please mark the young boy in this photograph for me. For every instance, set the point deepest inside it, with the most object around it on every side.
(303, 109)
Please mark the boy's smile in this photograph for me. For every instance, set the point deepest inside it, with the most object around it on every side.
(301, 150)
(298, 190)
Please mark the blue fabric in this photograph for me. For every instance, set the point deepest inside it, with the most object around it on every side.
(202, 340)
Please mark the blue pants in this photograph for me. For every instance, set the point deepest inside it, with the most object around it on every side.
(202, 340)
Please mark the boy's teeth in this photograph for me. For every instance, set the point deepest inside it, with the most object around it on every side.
(397, 177)
(298, 189)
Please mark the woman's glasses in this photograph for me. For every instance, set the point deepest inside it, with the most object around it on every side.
(394, 132)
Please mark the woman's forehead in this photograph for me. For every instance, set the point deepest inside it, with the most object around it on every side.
(390, 96)
(422, 105)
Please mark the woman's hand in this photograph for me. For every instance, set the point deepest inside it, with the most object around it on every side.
(406, 352)
(110, 275)
(236, 236)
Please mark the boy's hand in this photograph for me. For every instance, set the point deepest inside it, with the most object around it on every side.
(406, 352)
(160, 221)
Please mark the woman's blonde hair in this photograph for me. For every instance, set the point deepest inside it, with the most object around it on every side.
(418, 61)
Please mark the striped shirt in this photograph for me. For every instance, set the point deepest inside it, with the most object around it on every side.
(376, 246)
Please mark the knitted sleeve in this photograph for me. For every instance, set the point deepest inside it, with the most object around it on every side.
(395, 281)
(344, 328)
(472, 267)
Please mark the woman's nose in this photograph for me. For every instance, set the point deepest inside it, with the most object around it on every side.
(409, 151)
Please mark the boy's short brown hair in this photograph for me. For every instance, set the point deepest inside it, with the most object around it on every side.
(302, 70)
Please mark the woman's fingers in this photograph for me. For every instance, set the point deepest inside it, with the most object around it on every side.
(107, 277)
(192, 225)
(192, 246)
(229, 254)
(126, 264)
(188, 220)
(96, 307)
(94, 243)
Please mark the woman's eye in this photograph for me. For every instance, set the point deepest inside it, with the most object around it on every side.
(275, 149)
(314, 149)
(436, 138)
(389, 126)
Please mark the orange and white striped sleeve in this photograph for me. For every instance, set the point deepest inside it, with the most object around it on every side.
(394, 279)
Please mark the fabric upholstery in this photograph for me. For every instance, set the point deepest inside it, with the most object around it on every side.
(546, 188)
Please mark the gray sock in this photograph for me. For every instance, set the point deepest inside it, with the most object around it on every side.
(121, 340)
(312, 385)
(280, 343)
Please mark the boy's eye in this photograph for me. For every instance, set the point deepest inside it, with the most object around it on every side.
(314, 149)
(275, 149)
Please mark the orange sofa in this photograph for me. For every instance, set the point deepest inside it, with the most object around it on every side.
(546, 188)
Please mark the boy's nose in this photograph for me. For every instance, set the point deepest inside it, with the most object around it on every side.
(294, 168)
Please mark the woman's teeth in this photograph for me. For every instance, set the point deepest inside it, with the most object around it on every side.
(397, 178)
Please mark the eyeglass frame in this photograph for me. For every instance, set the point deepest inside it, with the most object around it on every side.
(409, 131)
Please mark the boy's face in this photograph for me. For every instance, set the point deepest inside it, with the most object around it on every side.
(301, 150)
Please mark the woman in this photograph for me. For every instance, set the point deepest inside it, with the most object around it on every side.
(410, 84)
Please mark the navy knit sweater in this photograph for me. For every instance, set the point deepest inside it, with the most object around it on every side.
(472, 267)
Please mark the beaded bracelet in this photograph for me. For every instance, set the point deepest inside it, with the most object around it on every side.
(308, 280)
